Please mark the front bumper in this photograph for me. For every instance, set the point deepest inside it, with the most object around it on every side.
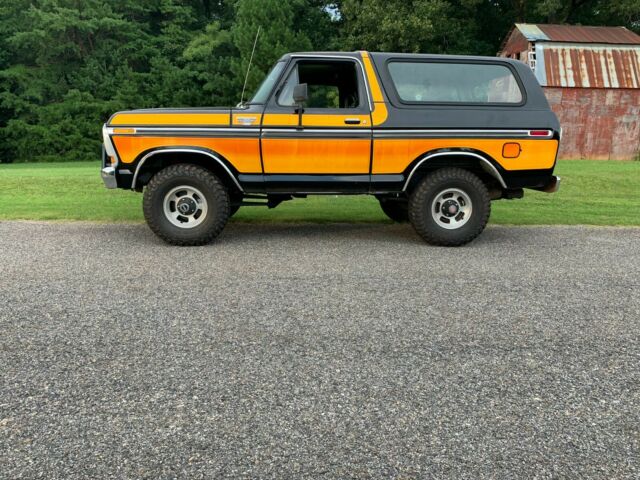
(109, 161)
(108, 175)
(552, 187)
(108, 172)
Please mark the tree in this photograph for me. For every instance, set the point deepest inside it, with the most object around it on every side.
(465, 26)
(434, 26)
(220, 56)
(71, 63)
(66, 65)
(585, 12)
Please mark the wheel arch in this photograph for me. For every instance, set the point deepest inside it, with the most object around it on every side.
(152, 161)
(476, 161)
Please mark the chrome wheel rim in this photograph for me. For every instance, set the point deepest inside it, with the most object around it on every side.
(451, 208)
(185, 207)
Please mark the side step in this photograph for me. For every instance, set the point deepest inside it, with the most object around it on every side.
(269, 201)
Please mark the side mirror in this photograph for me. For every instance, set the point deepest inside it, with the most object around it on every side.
(300, 93)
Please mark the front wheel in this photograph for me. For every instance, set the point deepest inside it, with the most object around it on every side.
(186, 205)
(450, 207)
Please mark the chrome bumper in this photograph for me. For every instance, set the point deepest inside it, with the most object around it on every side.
(109, 177)
(109, 160)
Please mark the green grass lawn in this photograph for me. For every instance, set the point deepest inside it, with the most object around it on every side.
(592, 193)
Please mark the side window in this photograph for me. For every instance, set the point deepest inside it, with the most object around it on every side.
(426, 82)
(331, 84)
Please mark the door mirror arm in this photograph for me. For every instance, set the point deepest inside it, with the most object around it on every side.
(300, 111)
(300, 96)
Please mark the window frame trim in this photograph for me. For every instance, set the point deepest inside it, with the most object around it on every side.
(398, 100)
(274, 86)
(365, 107)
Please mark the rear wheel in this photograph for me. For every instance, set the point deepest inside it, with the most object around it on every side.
(186, 205)
(396, 209)
(450, 207)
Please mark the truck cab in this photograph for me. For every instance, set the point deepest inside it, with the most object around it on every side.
(434, 138)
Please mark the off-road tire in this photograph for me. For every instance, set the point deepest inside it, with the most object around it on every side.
(396, 210)
(215, 193)
(424, 194)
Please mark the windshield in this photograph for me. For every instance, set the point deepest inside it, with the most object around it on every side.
(268, 83)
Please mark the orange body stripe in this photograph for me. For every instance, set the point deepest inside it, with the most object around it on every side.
(379, 113)
(338, 155)
(242, 153)
(395, 155)
(160, 118)
(313, 120)
(316, 156)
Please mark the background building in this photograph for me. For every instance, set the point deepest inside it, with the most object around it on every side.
(591, 77)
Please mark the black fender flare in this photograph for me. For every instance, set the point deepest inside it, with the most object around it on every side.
(192, 150)
(486, 164)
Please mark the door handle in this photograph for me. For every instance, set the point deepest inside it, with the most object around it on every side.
(352, 121)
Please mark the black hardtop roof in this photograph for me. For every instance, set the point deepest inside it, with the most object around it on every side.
(535, 96)
(286, 56)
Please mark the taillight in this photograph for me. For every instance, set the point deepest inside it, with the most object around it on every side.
(540, 133)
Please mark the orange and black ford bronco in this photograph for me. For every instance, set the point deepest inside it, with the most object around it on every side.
(434, 138)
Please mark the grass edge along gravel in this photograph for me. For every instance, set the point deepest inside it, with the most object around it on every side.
(592, 193)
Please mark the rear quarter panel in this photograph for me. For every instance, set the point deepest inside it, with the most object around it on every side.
(394, 155)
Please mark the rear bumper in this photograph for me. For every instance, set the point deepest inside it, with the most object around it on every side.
(551, 187)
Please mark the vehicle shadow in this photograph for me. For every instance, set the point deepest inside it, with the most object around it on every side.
(379, 234)
(321, 232)
(259, 234)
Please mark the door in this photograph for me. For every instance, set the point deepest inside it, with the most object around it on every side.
(331, 150)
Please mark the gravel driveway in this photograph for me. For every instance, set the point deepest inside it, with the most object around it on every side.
(311, 351)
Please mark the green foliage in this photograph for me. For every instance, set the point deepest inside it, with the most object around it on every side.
(434, 26)
(589, 12)
(218, 57)
(67, 65)
(278, 35)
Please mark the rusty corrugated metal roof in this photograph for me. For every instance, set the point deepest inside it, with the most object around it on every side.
(588, 66)
(578, 34)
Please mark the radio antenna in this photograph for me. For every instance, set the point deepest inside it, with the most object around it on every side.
(246, 77)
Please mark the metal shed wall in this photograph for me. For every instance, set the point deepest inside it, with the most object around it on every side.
(597, 123)
(588, 66)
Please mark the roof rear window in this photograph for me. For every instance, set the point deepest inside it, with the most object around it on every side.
(446, 82)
